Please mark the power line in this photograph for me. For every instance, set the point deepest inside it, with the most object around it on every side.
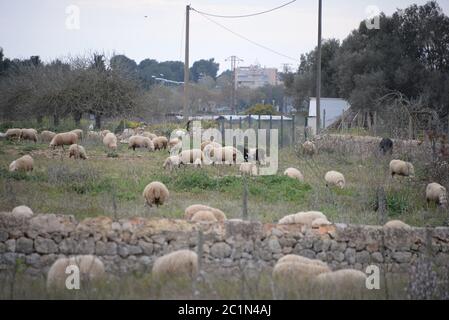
(247, 39)
(245, 15)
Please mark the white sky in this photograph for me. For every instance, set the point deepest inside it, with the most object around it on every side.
(38, 27)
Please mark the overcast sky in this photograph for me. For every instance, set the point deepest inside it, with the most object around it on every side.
(38, 27)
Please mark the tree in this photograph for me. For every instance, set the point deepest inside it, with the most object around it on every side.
(262, 109)
(203, 68)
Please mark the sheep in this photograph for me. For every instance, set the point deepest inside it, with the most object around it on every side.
(91, 269)
(77, 152)
(110, 141)
(46, 135)
(171, 162)
(254, 154)
(180, 263)
(149, 135)
(140, 142)
(160, 143)
(191, 210)
(436, 193)
(155, 193)
(22, 212)
(341, 282)
(319, 222)
(396, 224)
(94, 135)
(173, 143)
(29, 134)
(197, 164)
(103, 133)
(204, 216)
(190, 156)
(293, 273)
(248, 168)
(401, 168)
(208, 149)
(294, 174)
(305, 218)
(227, 155)
(79, 133)
(309, 148)
(300, 259)
(25, 163)
(386, 145)
(335, 178)
(13, 133)
(65, 138)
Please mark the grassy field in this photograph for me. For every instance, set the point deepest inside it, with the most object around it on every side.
(112, 186)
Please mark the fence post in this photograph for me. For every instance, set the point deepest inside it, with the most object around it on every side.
(410, 127)
(240, 123)
(230, 122)
(293, 129)
(245, 199)
(282, 131)
(257, 134)
(249, 121)
(222, 131)
(375, 123)
(324, 119)
(381, 205)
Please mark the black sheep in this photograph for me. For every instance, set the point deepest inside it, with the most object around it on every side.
(386, 145)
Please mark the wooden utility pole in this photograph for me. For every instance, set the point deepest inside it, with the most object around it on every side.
(186, 67)
(318, 70)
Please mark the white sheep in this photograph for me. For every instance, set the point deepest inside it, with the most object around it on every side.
(103, 133)
(190, 156)
(248, 168)
(297, 274)
(149, 135)
(294, 174)
(435, 192)
(79, 133)
(24, 163)
(223, 155)
(62, 139)
(13, 133)
(77, 152)
(305, 218)
(140, 142)
(300, 259)
(396, 224)
(22, 212)
(319, 222)
(110, 141)
(309, 148)
(91, 269)
(160, 143)
(181, 263)
(335, 178)
(171, 163)
(191, 210)
(197, 164)
(29, 134)
(155, 193)
(341, 282)
(204, 216)
(46, 135)
(401, 168)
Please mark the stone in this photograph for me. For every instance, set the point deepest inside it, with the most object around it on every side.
(10, 245)
(67, 246)
(3, 235)
(105, 248)
(49, 223)
(273, 245)
(338, 246)
(44, 245)
(377, 257)
(86, 246)
(337, 256)
(2, 247)
(402, 256)
(24, 245)
(220, 250)
(362, 257)
(147, 247)
(350, 255)
(33, 260)
(307, 253)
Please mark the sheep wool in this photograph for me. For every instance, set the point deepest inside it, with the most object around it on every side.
(305, 218)
(435, 192)
(294, 174)
(140, 142)
(103, 133)
(22, 212)
(29, 134)
(319, 222)
(91, 269)
(300, 259)
(155, 193)
(226, 155)
(396, 224)
(297, 273)
(309, 148)
(171, 163)
(79, 133)
(401, 168)
(204, 216)
(191, 210)
(149, 135)
(198, 164)
(190, 156)
(24, 163)
(65, 138)
(110, 141)
(181, 263)
(46, 135)
(13, 133)
(160, 143)
(77, 152)
(335, 178)
(346, 281)
(248, 168)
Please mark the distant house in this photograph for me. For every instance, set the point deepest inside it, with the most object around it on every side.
(331, 110)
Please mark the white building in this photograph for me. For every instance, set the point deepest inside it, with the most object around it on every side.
(330, 110)
(255, 76)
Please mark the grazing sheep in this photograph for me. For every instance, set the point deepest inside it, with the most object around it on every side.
(435, 192)
(22, 212)
(77, 152)
(309, 148)
(25, 163)
(293, 273)
(204, 216)
(62, 139)
(190, 156)
(29, 134)
(155, 193)
(248, 168)
(294, 174)
(171, 162)
(255, 154)
(46, 135)
(79, 133)
(103, 133)
(341, 282)
(149, 135)
(300, 259)
(181, 263)
(197, 164)
(13, 134)
(191, 210)
(305, 218)
(110, 141)
(226, 155)
(401, 168)
(94, 135)
(140, 142)
(204, 144)
(386, 145)
(91, 269)
(160, 143)
(319, 222)
(335, 178)
(396, 224)
(173, 143)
